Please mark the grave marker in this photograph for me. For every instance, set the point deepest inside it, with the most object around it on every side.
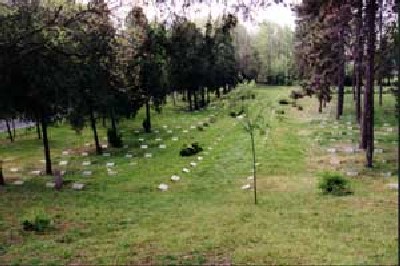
(247, 186)
(185, 170)
(50, 185)
(163, 187)
(106, 154)
(175, 178)
(85, 154)
(193, 164)
(87, 173)
(162, 146)
(143, 146)
(77, 186)
(148, 155)
(18, 182)
(86, 163)
(61, 163)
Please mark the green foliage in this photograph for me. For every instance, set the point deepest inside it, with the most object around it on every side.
(39, 224)
(284, 101)
(334, 184)
(193, 149)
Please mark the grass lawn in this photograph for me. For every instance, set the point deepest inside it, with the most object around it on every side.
(206, 217)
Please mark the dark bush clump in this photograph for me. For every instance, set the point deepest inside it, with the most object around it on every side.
(300, 108)
(200, 128)
(191, 150)
(205, 124)
(334, 184)
(283, 102)
(296, 95)
(280, 112)
(40, 224)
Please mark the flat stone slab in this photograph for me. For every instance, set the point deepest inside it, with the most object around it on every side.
(61, 163)
(111, 172)
(85, 154)
(87, 173)
(143, 146)
(128, 155)
(36, 172)
(193, 164)
(175, 178)
(192, 127)
(104, 146)
(378, 150)
(250, 177)
(18, 182)
(77, 186)
(50, 185)
(86, 163)
(352, 173)
(169, 131)
(140, 139)
(158, 139)
(14, 170)
(106, 154)
(65, 153)
(331, 150)
(165, 126)
(162, 146)
(387, 174)
(126, 146)
(148, 155)
(394, 186)
(246, 187)
(163, 187)
(185, 131)
(185, 170)
(175, 138)
(334, 161)
(349, 150)
(110, 164)
(200, 158)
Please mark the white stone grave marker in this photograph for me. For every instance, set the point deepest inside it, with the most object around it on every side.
(185, 170)
(175, 178)
(387, 174)
(163, 187)
(18, 182)
(394, 186)
(143, 146)
(377, 150)
(200, 158)
(65, 153)
(50, 185)
(162, 146)
(78, 186)
(175, 138)
(87, 173)
(14, 170)
(247, 186)
(61, 163)
(158, 139)
(104, 146)
(128, 155)
(85, 154)
(141, 139)
(185, 131)
(169, 131)
(331, 150)
(126, 146)
(193, 164)
(148, 155)
(250, 177)
(352, 173)
(106, 154)
(86, 163)
(110, 164)
(36, 172)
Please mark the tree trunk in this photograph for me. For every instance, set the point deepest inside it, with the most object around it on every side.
(196, 101)
(174, 97)
(218, 92)
(353, 82)
(189, 96)
(104, 121)
(93, 126)
(2, 183)
(46, 145)
(113, 122)
(339, 110)
(148, 117)
(253, 150)
(359, 58)
(38, 129)
(9, 131)
(13, 126)
(381, 53)
(203, 97)
(320, 105)
(208, 96)
(369, 88)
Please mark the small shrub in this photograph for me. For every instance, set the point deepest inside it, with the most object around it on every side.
(200, 128)
(253, 96)
(205, 124)
(191, 150)
(300, 108)
(213, 120)
(40, 224)
(335, 184)
(280, 112)
(283, 102)
(232, 114)
(114, 139)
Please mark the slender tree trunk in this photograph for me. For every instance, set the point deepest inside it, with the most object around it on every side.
(203, 98)
(93, 126)
(381, 52)
(10, 136)
(359, 58)
(113, 122)
(13, 126)
(46, 145)
(196, 101)
(353, 82)
(104, 122)
(320, 105)
(174, 97)
(369, 88)
(339, 110)
(148, 117)
(38, 129)
(2, 183)
(208, 96)
(324, 102)
(189, 96)
(218, 93)
(253, 150)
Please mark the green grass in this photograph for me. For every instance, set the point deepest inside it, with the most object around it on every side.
(206, 217)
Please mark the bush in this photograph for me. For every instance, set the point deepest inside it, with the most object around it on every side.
(280, 112)
(213, 120)
(114, 139)
(199, 128)
(191, 150)
(300, 108)
(283, 102)
(334, 184)
(205, 124)
(40, 224)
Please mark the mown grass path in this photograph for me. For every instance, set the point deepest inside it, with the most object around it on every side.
(205, 217)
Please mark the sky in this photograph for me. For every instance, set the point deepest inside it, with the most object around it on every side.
(275, 12)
